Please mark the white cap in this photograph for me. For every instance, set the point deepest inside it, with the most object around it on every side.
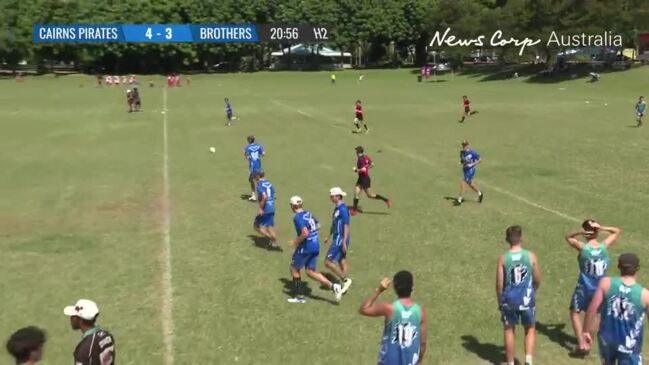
(296, 200)
(337, 191)
(84, 308)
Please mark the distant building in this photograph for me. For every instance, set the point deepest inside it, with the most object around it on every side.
(304, 57)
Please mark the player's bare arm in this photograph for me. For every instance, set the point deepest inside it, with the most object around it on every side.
(614, 234)
(262, 203)
(572, 240)
(345, 237)
(536, 271)
(424, 336)
(303, 235)
(591, 314)
(370, 309)
(500, 279)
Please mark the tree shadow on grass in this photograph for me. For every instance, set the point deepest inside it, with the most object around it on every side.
(306, 290)
(494, 354)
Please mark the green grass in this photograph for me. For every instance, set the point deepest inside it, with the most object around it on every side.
(82, 207)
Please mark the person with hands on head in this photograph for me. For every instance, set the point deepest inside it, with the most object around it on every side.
(404, 334)
(593, 261)
(623, 305)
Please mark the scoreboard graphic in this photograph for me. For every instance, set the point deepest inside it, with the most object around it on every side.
(179, 33)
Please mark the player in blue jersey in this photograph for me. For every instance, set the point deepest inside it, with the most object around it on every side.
(593, 261)
(469, 159)
(265, 219)
(404, 334)
(640, 110)
(336, 259)
(622, 304)
(229, 116)
(253, 153)
(517, 279)
(307, 249)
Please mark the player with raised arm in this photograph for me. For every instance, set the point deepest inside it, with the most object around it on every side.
(623, 305)
(265, 219)
(364, 183)
(404, 334)
(307, 249)
(253, 153)
(469, 159)
(336, 259)
(517, 279)
(359, 117)
(640, 110)
(593, 261)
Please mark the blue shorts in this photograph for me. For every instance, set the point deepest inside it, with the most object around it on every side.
(610, 355)
(335, 252)
(252, 173)
(265, 220)
(581, 298)
(307, 260)
(468, 175)
(512, 317)
(228, 115)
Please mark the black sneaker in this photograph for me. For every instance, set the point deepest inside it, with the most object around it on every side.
(480, 197)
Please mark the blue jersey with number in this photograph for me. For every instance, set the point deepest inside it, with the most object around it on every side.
(623, 314)
(340, 219)
(467, 158)
(253, 152)
(306, 220)
(518, 289)
(268, 190)
(401, 340)
(593, 262)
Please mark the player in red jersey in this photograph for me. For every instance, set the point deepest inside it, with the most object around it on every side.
(358, 119)
(467, 108)
(363, 165)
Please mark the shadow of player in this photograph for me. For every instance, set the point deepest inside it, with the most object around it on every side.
(263, 243)
(306, 291)
(557, 334)
(494, 354)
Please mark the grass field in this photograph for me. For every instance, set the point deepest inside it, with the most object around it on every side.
(85, 208)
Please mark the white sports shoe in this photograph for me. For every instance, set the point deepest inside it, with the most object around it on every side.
(338, 292)
(297, 300)
(252, 198)
(346, 285)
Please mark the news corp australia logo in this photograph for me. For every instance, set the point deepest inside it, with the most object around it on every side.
(497, 39)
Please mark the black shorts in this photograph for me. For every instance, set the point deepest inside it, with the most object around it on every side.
(359, 117)
(467, 110)
(364, 182)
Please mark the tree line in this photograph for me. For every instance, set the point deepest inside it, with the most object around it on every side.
(375, 31)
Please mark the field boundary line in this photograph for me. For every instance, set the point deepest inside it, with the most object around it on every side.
(425, 161)
(167, 289)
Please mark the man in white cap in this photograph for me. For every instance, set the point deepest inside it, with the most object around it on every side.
(97, 346)
(336, 259)
(307, 249)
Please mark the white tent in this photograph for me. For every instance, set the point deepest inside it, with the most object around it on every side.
(301, 55)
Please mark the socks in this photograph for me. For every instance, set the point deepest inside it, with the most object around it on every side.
(355, 203)
(296, 287)
(528, 359)
(365, 126)
(381, 197)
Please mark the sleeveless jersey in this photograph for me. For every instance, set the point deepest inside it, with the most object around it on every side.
(593, 262)
(401, 336)
(623, 315)
(518, 291)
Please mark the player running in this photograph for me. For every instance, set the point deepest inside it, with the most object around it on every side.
(229, 116)
(358, 118)
(253, 153)
(517, 279)
(336, 259)
(129, 100)
(640, 109)
(364, 183)
(404, 333)
(467, 108)
(265, 219)
(469, 159)
(307, 249)
(593, 260)
(137, 102)
(622, 304)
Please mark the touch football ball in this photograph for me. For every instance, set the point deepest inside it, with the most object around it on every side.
(212, 149)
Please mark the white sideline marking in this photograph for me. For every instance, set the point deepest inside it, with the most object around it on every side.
(425, 161)
(167, 289)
